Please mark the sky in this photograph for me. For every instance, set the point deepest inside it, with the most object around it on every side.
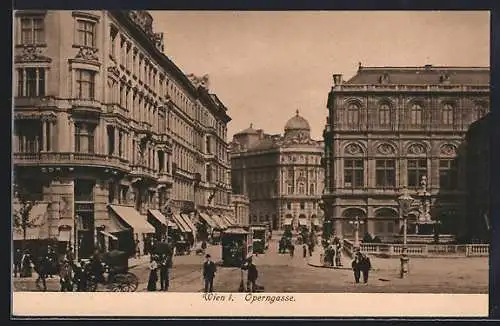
(266, 65)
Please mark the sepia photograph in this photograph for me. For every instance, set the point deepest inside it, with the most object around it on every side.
(250, 153)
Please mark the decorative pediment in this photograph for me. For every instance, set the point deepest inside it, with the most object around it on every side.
(87, 54)
(386, 149)
(354, 149)
(31, 53)
(417, 149)
(448, 150)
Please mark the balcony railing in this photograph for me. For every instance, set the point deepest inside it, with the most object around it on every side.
(143, 171)
(86, 105)
(413, 88)
(70, 158)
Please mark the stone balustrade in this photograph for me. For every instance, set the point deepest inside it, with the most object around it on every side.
(420, 250)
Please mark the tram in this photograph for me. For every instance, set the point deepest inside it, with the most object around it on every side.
(260, 238)
(236, 245)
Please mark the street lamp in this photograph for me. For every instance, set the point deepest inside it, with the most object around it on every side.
(357, 222)
(405, 202)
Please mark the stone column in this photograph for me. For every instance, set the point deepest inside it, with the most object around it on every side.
(44, 134)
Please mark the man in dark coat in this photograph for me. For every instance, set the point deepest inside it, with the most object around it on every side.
(96, 267)
(365, 266)
(165, 264)
(18, 256)
(356, 266)
(42, 267)
(252, 275)
(209, 270)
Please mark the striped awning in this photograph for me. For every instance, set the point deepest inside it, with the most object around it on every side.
(228, 220)
(209, 220)
(315, 221)
(188, 221)
(303, 221)
(219, 221)
(109, 235)
(38, 216)
(179, 221)
(132, 217)
(287, 221)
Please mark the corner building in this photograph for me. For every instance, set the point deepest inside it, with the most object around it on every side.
(102, 117)
(281, 175)
(387, 128)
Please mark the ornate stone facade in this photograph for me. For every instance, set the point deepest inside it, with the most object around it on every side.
(389, 126)
(282, 175)
(100, 105)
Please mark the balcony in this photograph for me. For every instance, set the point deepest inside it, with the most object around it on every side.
(70, 159)
(116, 109)
(34, 102)
(142, 171)
(412, 88)
(165, 178)
(86, 106)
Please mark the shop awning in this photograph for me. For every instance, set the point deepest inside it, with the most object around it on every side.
(219, 221)
(287, 221)
(303, 221)
(158, 216)
(181, 223)
(137, 222)
(315, 221)
(38, 216)
(109, 235)
(235, 231)
(209, 220)
(188, 221)
(227, 219)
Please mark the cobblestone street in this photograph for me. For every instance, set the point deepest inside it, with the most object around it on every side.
(282, 273)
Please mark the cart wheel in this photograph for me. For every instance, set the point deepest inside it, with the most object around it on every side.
(132, 282)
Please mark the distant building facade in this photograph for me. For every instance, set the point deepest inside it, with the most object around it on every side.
(241, 209)
(388, 127)
(282, 175)
(478, 143)
(102, 116)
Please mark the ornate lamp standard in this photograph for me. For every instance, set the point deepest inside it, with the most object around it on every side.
(356, 222)
(405, 201)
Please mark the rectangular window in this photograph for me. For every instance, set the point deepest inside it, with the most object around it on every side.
(448, 175)
(417, 168)
(31, 82)
(29, 134)
(385, 173)
(85, 84)
(290, 188)
(112, 51)
(84, 190)
(353, 173)
(84, 138)
(85, 33)
(302, 205)
(32, 30)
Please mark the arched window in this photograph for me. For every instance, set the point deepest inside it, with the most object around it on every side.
(416, 114)
(311, 189)
(447, 114)
(352, 114)
(384, 115)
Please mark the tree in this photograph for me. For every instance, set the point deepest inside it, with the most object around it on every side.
(22, 218)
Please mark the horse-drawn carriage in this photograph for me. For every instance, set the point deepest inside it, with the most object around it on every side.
(118, 279)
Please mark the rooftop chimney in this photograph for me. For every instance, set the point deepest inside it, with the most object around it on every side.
(337, 79)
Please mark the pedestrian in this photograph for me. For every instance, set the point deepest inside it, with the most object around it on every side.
(356, 266)
(304, 250)
(252, 275)
(165, 264)
(153, 273)
(96, 267)
(41, 268)
(204, 246)
(137, 249)
(209, 270)
(365, 266)
(66, 275)
(18, 256)
(26, 264)
(81, 276)
(53, 264)
(292, 249)
(310, 248)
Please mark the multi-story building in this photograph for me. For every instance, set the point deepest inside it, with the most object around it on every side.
(241, 209)
(103, 117)
(282, 175)
(479, 138)
(387, 128)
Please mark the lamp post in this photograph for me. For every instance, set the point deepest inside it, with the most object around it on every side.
(405, 202)
(357, 222)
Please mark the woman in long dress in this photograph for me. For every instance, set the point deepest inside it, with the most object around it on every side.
(153, 273)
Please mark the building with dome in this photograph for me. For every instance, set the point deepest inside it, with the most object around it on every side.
(281, 174)
(387, 128)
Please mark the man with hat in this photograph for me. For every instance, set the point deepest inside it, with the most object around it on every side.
(209, 270)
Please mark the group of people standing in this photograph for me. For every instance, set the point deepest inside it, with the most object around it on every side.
(159, 263)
